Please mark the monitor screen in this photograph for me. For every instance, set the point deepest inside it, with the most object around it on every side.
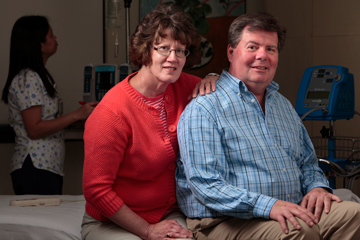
(104, 80)
(318, 95)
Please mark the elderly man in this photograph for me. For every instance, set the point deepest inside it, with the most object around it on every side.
(247, 168)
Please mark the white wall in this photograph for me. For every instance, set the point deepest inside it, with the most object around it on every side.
(78, 27)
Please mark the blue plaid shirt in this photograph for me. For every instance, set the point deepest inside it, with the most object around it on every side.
(237, 161)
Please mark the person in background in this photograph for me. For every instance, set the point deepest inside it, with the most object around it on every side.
(247, 167)
(131, 138)
(30, 92)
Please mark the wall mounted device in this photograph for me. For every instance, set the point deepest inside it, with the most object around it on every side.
(99, 79)
(326, 93)
(106, 77)
(124, 71)
(89, 81)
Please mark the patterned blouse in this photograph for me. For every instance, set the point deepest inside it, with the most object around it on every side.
(27, 90)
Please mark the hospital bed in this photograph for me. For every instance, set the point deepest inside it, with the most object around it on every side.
(61, 222)
(44, 222)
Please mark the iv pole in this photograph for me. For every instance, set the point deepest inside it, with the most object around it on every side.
(103, 31)
(127, 22)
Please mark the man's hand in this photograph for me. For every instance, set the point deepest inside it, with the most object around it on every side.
(318, 199)
(206, 85)
(283, 210)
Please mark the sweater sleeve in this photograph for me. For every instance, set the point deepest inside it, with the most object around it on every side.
(103, 158)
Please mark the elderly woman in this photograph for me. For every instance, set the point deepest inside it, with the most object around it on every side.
(131, 139)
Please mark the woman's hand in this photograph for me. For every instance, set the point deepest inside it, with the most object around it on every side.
(166, 230)
(85, 110)
(206, 85)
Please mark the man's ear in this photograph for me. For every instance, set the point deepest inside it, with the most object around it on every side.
(230, 52)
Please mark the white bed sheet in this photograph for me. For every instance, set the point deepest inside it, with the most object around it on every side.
(54, 222)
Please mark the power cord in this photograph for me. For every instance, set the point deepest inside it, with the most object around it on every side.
(350, 176)
(324, 110)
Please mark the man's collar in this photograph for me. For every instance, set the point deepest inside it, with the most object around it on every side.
(237, 84)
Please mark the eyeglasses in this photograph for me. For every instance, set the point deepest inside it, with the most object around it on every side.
(163, 50)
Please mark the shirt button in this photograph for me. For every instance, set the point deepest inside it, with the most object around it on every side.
(275, 145)
(166, 139)
(288, 195)
(284, 170)
(238, 94)
(252, 100)
(172, 128)
(167, 98)
(172, 201)
(172, 166)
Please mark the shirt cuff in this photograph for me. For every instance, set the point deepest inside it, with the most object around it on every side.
(321, 185)
(263, 206)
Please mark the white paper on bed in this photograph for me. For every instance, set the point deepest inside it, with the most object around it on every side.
(52, 222)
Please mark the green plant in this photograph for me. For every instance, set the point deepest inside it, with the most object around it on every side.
(197, 11)
(230, 5)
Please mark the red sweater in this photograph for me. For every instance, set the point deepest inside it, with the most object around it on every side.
(128, 158)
